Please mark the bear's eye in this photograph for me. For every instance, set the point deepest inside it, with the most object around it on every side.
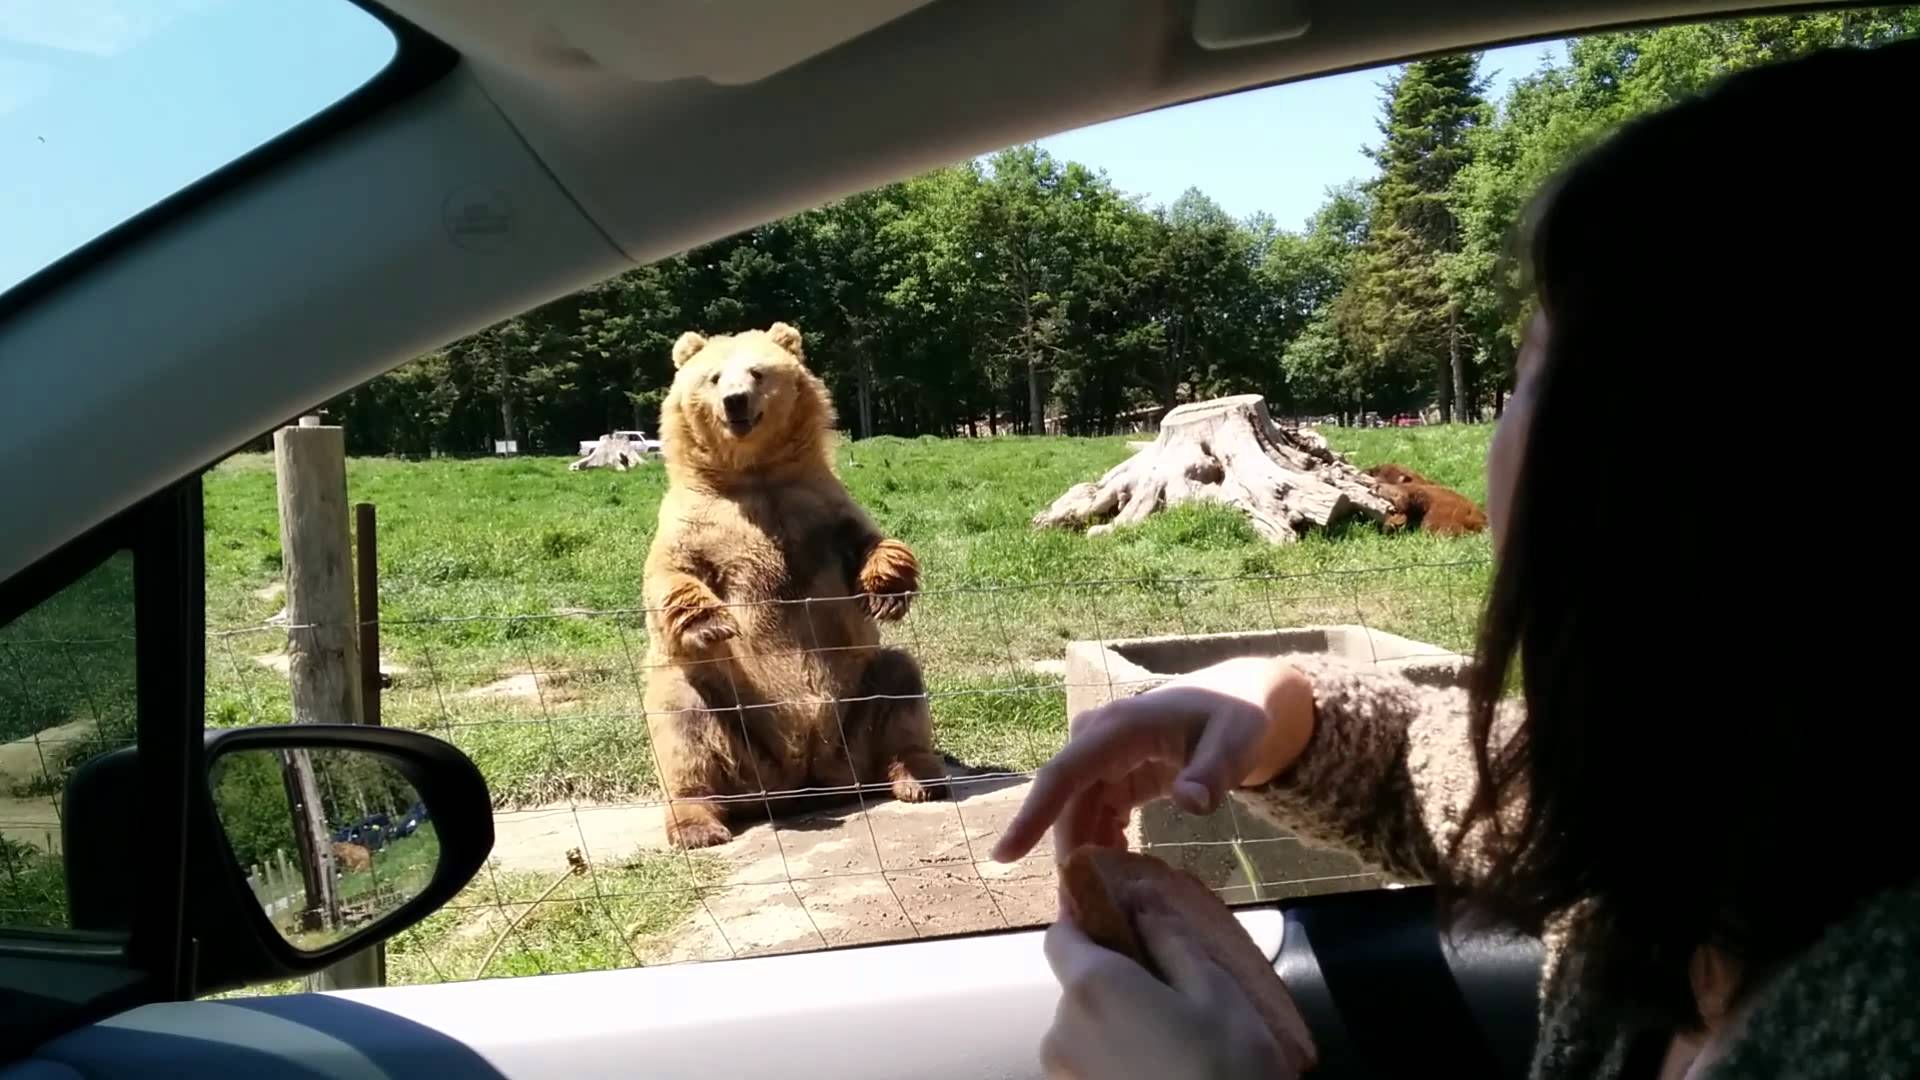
(714, 379)
(755, 373)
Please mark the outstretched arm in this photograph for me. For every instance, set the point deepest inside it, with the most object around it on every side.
(1387, 773)
(1364, 761)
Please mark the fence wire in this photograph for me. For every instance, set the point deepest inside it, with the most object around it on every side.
(551, 706)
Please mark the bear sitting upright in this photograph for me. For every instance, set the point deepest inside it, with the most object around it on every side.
(765, 670)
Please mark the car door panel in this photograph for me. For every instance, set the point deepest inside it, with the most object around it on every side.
(957, 1007)
(972, 1007)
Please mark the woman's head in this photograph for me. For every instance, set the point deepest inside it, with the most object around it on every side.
(1688, 499)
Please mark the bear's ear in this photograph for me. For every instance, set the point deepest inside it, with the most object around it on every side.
(788, 338)
(684, 349)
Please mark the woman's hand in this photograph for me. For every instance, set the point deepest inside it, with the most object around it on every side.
(1236, 724)
(1116, 1020)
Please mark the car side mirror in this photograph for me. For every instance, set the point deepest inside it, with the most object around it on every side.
(306, 844)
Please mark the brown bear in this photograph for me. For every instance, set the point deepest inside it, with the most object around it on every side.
(352, 858)
(765, 669)
(1431, 508)
(1389, 473)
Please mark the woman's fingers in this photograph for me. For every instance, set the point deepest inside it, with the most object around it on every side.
(1219, 762)
(1086, 819)
(1121, 737)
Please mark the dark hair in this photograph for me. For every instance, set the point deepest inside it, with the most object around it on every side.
(1703, 522)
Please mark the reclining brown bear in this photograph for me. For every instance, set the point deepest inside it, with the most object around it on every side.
(1418, 503)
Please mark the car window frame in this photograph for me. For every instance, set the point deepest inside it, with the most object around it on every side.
(418, 61)
(60, 979)
(54, 980)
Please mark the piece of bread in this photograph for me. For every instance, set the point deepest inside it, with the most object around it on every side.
(1103, 888)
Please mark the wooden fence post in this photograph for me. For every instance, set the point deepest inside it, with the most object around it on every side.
(310, 467)
(322, 911)
(367, 562)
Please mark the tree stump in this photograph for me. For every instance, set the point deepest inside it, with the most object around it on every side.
(612, 452)
(1229, 451)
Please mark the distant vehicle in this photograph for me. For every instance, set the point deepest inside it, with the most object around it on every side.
(1407, 420)
(372, 832)
(411, 821)
(637, 438)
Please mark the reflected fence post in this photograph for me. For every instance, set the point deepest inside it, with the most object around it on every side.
(315, 842)
(324, 661)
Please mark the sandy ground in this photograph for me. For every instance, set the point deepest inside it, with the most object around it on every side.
(883, 872)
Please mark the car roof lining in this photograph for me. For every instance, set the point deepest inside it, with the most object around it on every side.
(329, 256)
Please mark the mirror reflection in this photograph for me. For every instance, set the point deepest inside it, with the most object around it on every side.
(331, 841)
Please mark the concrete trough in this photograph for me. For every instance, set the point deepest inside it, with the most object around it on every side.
(1233, 850)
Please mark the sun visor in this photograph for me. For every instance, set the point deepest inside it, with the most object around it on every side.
(727, 42)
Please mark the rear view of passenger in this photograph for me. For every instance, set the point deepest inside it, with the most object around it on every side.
(1704, 819)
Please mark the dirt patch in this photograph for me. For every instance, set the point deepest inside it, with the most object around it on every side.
(31, 821)
(24, 760)
(283, 664)
(888, 871)
(548, 688)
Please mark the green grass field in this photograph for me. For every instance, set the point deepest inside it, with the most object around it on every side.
(510, 588)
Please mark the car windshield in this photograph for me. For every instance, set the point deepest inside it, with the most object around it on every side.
(109, 106)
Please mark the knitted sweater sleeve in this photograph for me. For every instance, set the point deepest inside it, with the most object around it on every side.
(1387, 775)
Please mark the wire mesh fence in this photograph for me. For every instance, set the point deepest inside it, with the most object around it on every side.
(551, 706)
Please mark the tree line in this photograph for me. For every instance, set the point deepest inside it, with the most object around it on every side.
(1023, 293)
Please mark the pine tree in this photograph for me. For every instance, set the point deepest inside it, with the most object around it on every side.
(1398, 306)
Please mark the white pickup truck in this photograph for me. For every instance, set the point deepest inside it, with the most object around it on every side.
(638, 438)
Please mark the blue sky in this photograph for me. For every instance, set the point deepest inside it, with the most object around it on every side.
(107, 106)
(1275, 150)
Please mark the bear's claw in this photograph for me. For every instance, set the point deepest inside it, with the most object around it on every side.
(703, 630)
(885, 607)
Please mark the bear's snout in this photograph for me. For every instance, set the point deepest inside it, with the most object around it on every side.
(739, 410)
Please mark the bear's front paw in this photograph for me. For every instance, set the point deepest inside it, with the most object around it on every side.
(890, 578)
(911, 785)
(701, 832)
(703, 629)
(696, 620)
(888, 607)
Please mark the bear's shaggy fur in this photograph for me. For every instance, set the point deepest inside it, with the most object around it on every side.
(352, 858)
(1431, 508)
(1419, 503)
(765, 670)
(1389, 473)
